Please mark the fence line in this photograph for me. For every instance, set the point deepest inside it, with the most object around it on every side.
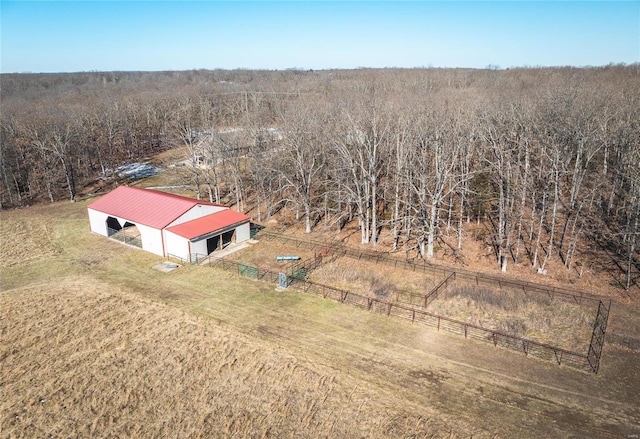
(441, 323)
(597, 336)
(121, 235)
(407, 311)
(422, 317)
(461, 274)
(441, 286)
(182, 260)
(340, 250)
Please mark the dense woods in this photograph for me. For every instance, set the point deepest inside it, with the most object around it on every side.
(546, 161)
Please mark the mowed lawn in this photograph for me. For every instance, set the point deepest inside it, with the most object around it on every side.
(96, 343)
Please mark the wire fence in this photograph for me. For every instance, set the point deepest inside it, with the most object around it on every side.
(590, 362)
(478, 278)
(413, 307)
(433, 294)
(122, 236)
(597, 337)
(417, 316)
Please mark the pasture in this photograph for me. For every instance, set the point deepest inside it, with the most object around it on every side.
(95, 342)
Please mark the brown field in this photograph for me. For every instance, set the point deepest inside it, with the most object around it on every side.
(264, 257)
(373, 280)
(534, 315)
(96, 343)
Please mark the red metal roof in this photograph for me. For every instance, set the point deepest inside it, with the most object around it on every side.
(209, 224)
(145, 206)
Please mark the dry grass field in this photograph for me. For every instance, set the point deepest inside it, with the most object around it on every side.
(373, 280)
(119, 366)
(265, 257)
(96, 343)
(534, 315)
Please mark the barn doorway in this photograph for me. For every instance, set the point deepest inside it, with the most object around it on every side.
(129, 233)
(221, 241)
(213, 244)
(113, 226)
(228, 237)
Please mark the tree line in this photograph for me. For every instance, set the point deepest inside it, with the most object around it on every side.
(545, 160)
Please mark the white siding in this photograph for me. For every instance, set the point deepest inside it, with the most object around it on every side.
(199, 247)
(176, 245)
(243, 232)
(151, 239)
(196, 212)
(98, 222)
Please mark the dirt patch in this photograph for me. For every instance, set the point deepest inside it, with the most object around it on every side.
(166, 266)
(428, 375)
(263, 255)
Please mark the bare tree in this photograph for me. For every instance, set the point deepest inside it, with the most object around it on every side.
(302, 158)
(360, 143)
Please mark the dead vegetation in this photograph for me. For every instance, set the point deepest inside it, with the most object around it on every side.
(533, 316)
(372, 280)
(25, 239)
(96, 343)
(82, 361)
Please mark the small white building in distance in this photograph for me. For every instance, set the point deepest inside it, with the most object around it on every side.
(166, 224)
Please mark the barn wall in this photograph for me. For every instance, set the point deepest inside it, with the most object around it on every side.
(177, 245)
(199, 247)
(243, 232)
(98, 222)
(151, 239)
(196, 212)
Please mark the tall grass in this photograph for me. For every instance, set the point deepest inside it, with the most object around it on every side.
(370, 279)
(534, 316)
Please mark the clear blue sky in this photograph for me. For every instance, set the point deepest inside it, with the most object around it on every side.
(47, 36)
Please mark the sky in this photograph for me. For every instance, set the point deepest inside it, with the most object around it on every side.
(50, 36)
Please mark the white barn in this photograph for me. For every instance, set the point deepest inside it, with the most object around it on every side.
(166, 224)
